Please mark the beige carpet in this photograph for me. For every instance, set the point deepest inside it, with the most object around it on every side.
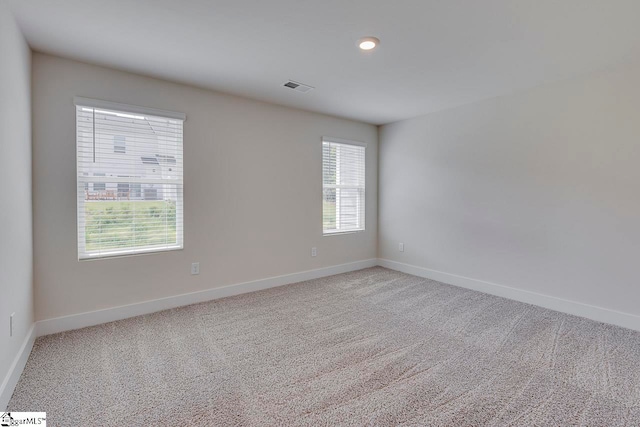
(373, 347)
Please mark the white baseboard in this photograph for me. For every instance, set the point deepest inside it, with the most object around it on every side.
(16, 368)
(82, 320)
(600, 314)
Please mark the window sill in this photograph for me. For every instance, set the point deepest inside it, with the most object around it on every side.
(128, 253)
(341, 233)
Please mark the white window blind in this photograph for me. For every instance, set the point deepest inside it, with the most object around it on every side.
(129, 175)
(343, 186)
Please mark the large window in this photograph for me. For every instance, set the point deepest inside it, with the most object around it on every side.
(129, 174)
(343, 186)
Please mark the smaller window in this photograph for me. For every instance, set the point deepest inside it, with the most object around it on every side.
(99, 186)
(119, 144)
(123, 190)
(343, 186)
(149, 160)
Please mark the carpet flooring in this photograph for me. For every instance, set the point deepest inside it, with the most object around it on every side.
(372, 347)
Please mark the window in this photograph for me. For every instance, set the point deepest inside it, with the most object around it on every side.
(119, 144)
(98, 186)
(343, 186)
(129, 195)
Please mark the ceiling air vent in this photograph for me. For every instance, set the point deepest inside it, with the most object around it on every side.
(300, 87)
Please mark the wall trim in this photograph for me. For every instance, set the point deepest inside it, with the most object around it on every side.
(92, 318)
(16, 368)
(599, 314)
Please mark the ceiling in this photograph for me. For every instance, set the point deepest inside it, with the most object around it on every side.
(434, 54)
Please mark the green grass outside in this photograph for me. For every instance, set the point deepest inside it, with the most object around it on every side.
(328, 215)
(127, 224)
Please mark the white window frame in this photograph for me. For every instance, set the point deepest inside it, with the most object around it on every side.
(83, 255)
(363, 227)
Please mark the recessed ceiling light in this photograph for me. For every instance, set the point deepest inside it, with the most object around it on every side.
(368, 43)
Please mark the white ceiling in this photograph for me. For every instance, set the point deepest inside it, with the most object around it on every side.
(434, 54)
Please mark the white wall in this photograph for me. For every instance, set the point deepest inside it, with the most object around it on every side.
(539, 191)
(253, 195)
(16, 291)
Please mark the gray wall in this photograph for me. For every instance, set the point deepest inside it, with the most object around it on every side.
(538, 191)
(253, 192)
(16, 289)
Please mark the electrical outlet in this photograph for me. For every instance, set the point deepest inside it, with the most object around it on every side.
(11, 324)
(401, 247)
(195, 268)
(314, 252)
